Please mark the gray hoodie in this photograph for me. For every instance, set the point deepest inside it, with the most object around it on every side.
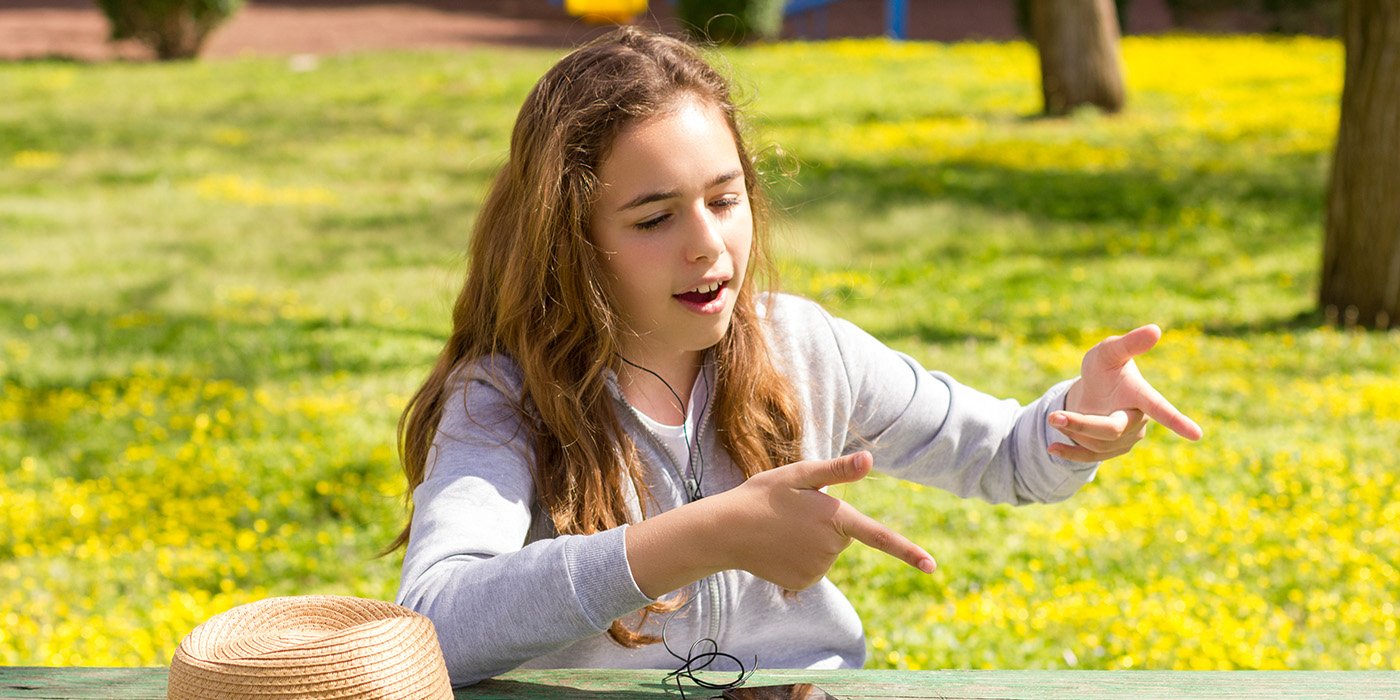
(505, 591)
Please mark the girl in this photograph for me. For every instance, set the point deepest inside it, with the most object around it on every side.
(621, 423)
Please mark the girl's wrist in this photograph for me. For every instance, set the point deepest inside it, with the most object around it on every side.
(678, 547)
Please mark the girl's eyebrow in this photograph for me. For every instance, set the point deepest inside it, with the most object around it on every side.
(658, 196)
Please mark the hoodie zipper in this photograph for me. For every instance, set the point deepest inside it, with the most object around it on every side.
(690, 486)
(713, 581)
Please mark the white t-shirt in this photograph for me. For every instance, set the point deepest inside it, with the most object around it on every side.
(674, 436)
(678, 438)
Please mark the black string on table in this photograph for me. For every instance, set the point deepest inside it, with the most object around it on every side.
(702, 653)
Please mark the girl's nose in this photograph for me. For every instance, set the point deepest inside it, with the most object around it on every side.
(706, 240)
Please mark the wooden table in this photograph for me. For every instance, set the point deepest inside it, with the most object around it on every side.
(149, 684)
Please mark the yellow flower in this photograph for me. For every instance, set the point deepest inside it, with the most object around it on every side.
(241, 190)
(35, 160)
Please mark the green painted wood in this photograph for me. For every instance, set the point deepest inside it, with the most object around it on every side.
(56, 683)
(967, 685)
(81, 683)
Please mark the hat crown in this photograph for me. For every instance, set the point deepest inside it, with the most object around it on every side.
(311, 648)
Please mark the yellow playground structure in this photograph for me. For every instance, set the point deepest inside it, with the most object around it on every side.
(606, 11)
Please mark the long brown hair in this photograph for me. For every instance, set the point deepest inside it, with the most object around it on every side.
(536, 292)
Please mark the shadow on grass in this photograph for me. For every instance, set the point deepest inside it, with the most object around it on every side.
(56, 58)
(1288, 196)
(931, 332)
(74, 347)
(1310, 320)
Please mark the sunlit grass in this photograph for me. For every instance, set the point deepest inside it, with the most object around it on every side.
(220, 281)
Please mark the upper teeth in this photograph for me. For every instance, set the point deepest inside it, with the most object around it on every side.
(706, 289)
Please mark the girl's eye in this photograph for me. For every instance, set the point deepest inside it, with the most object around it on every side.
(726, 202)
(651, 223)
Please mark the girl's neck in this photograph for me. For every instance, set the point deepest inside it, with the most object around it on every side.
(650, 393)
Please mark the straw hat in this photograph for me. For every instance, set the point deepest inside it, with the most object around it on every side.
(311, 648)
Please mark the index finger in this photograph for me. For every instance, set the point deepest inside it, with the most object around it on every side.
(1158, 408)
(859, 526)
(1109, 427)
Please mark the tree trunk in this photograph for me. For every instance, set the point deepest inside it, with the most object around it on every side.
(1361, 260)
(1080, 60)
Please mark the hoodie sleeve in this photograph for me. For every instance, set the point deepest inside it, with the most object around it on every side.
(925, 427)
(496, 601)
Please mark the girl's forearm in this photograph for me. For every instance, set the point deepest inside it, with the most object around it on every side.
(673, 549)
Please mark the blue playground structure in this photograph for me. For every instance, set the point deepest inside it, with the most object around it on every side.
(896, 13)
(896, 16)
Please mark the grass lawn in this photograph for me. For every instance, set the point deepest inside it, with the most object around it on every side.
(220, 282)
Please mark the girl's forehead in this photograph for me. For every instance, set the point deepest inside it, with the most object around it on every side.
(674, 149)
(687, 113)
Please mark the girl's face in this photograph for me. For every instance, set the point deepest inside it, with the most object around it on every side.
(674, 224)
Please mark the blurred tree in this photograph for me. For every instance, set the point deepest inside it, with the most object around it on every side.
(1023, 15)
(731, 21)
(1361, 260)
(1080, 58)
(174, 29)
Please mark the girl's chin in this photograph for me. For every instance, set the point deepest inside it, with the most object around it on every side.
(700, 337)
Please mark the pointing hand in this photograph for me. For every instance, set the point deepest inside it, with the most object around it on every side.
(790, 532)
(1108, 407)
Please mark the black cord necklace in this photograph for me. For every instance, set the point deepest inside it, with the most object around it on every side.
(694, 474)
(704, 651)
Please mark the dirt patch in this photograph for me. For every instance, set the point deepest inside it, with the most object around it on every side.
(75, 29)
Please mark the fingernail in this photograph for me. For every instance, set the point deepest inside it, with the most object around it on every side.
(927, 566)
(1059, 420)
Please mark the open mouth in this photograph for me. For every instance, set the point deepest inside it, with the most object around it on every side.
(702, 295)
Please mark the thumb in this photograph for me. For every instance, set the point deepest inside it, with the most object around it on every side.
(1117, 351)
(842, 470)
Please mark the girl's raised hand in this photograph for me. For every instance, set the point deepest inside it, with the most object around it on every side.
(787, 531)
(1108, 407)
